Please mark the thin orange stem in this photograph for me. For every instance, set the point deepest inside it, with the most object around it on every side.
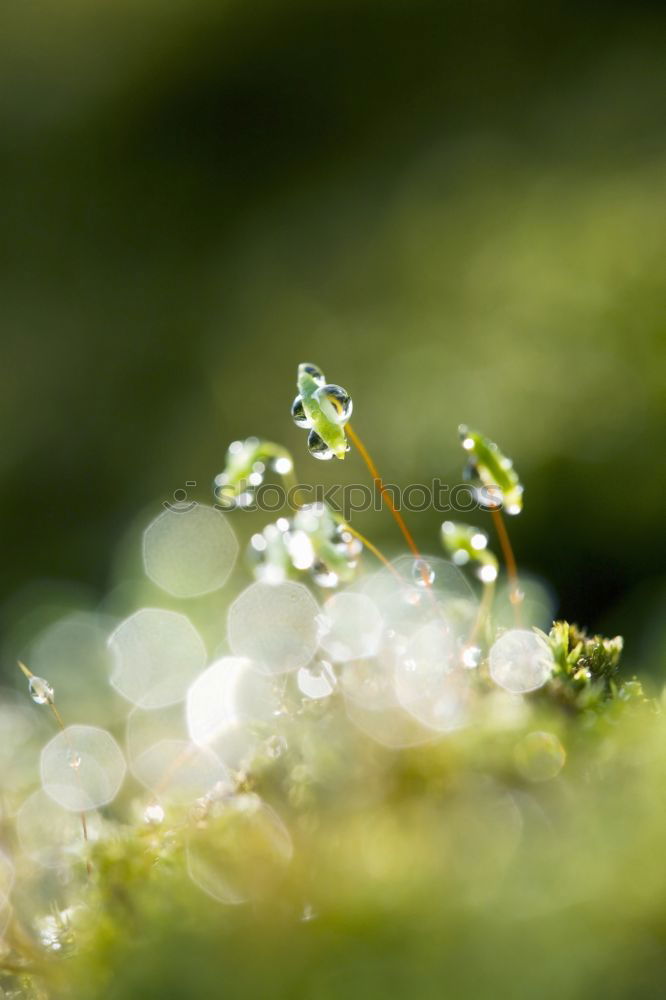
(510, 562)
(372, 468)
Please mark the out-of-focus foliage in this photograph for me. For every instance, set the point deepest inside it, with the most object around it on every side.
(496, 861)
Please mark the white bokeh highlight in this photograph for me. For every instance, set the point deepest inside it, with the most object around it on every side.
(430, 684)
(189, 552)
(227, 705)
(275, 626)
(350, 627)
(82, 768)
(156, 655)
(520, 661)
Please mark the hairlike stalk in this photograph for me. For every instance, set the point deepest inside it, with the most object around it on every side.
(516, 595)
(377, 479)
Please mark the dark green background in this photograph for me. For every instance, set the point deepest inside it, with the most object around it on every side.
(456, 208)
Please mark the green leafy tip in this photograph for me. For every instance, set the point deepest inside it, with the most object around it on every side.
(468, 545)
(245, 466)
(323, 409)
(492, 473)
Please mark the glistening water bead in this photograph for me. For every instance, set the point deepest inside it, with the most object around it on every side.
(335, 402)
(318, 447)
(298, 414)
(40, 690)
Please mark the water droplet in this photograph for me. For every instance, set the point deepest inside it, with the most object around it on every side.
(283, 465)
(335, 402)
(314, 371)
(317, 681)
(298, 414)
(471, 657)
(487, 574)
(41, 691)
(422, 573)
(323, 576)
(153, 814)
(318, 447)
(300, 550)
(258, 543)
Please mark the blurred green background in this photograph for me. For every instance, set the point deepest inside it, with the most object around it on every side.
(457, 209)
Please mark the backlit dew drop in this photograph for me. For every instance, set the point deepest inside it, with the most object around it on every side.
(471, 657)
(314, 371)
(520, 661)
(75, 646)
(350, 627)
(323, 576)
(97, 778)
(275, 626)
(423, 575)
(191, 551)
(317, 681)
(156, 654)
(153, 814)
(318, 447)
(298, 414)
(539, 756)
(240, 851)
(335, 402)
(41, 691)
(487, 573)
(283, 465)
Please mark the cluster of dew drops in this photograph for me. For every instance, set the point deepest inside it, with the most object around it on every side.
(395, 647)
